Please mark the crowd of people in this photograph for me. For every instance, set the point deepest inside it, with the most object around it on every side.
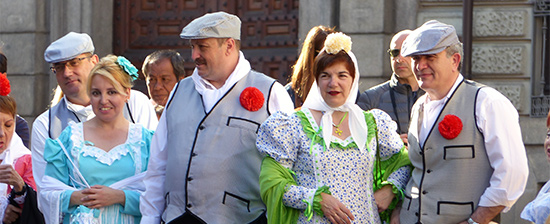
(231, 145)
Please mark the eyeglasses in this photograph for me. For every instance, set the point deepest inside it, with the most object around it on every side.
(60, 67)
(394, 52)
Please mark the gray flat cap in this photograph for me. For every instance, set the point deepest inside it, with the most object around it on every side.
(68, 47)
(430, 38)
(213, 25)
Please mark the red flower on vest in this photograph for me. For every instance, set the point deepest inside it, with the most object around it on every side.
(450, 127)
(252, 99)
(4, 85)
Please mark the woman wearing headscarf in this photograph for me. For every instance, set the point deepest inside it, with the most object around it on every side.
(95, 169)
(320, 160)
(17, 187)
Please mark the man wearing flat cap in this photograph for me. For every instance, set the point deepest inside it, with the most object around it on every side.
(204, 165)
(72, 58)
(462, 137)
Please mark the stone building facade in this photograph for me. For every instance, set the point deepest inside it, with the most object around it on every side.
(507, 55)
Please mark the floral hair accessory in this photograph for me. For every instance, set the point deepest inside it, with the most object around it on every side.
(450, 127)
(252, 99)
(337, 42)
(127, 67)
(5, 87)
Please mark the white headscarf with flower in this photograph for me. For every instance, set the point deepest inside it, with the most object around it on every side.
(335, 43)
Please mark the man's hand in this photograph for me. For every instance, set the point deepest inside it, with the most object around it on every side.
(384, 197)
(484, 215)
(405, 139)
(335, 211)
(394, 219)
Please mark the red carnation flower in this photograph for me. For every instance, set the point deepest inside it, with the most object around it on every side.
(450, 127)
(252, 99)
(4, 85)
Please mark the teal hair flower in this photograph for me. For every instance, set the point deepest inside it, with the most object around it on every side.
(127, 67)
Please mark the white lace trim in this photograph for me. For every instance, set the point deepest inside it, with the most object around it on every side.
(132, 145)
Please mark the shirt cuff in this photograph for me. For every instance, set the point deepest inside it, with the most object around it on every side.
(496, 197)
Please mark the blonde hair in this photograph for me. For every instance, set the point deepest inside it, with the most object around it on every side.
(108, 68)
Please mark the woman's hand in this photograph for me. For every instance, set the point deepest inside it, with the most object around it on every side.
(100, 196)
(334, 210)
(9, 176)
(383, 197)
(76, 198)
(11, 214)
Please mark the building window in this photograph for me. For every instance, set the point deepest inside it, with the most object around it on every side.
(541, 79)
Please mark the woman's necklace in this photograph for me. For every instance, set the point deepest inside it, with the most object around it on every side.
(338, 131)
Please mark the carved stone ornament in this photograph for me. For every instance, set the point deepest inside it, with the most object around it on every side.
(501, 60)
(512, 92)
(499, 23)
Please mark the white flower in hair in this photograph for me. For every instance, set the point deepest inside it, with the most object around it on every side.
(336, 42)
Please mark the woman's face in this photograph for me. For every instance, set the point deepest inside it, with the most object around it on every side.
(107, 101)
(547, 145)
(335, 83)
(6, 131)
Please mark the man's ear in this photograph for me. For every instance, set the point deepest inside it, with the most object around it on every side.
(230, 43)
(456, 58)
(95, 59)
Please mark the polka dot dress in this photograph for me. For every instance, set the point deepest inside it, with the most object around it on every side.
(342, 167)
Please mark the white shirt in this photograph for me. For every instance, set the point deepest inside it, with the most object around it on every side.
(142, 111)
(498, 121)
(152, 202)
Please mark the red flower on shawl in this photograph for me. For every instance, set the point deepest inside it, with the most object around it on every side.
(450, 127)
(252, 99)
(4, 85)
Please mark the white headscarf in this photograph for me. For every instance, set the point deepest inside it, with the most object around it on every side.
(15, 150)
(356, 121)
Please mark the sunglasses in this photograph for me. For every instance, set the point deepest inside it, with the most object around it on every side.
(394, 52)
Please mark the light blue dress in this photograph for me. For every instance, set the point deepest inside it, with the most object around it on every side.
(99, 168)
(538, 210)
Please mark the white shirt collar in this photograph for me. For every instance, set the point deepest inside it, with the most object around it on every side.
(85, 111)
(209, 93)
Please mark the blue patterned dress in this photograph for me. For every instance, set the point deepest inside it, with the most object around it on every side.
(295, 142)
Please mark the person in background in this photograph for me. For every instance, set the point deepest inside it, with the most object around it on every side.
(302, 76)
(162, 70)
(17, 186)
(204, 165)
(538, 210)
(465, 141)
(22, 127)
(72, 58)
(396, 96)
(320, 160)
(95, 168)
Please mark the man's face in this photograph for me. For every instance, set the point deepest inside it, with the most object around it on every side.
(209, 58)
(436, 72)
(72, 75)
(400, 65)
(160, 80)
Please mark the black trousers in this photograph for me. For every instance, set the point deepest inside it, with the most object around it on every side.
(190, 218)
